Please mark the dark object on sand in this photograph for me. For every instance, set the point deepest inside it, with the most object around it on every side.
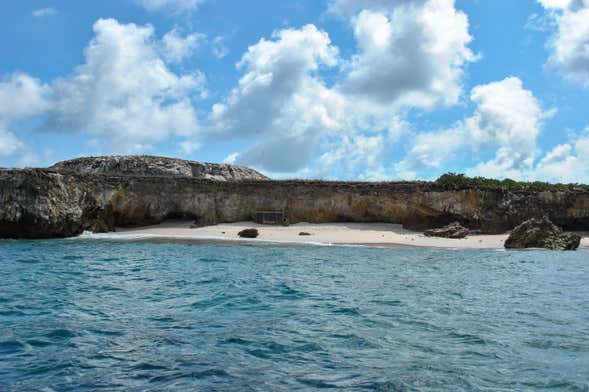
(541, 233)
(454, 230)
(248, 233)
(303, 233)
(271, 218)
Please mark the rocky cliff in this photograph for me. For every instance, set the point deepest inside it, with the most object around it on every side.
(94, 194)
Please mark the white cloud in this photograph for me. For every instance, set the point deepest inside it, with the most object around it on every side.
(353, 151)
(9, 144)
(188, 147)
(42, 12)
(567, 162)
(175, 48)
(350, 8)
(508, 118)
(410, 52)
(175, 6)
(507, 115)
(125, 92)
(21, 96)
(570, 43)
(220, 50)
(280, 99)
(556, 4)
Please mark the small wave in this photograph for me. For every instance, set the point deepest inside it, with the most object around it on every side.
(38, 343)
(213, 372)
(61, 334)
(148, 366)
(347, 311)
(466, 338)
(11, 346)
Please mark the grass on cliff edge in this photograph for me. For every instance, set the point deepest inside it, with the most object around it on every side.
(460, 181)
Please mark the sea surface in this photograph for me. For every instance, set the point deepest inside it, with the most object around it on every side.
(83, 315)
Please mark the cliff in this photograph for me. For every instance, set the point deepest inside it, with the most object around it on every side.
(92, 194)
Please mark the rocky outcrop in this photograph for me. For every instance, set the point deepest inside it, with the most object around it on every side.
(541, 233)
(249, 233)
(41, 204)
(454, 230)
(61, 201)
(141, 166)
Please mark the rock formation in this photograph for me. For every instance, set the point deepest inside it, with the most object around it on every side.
(454, 230)
(100, 194)
(136, 166)
(541, 233)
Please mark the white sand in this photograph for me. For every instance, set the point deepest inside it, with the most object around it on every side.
(376, 234)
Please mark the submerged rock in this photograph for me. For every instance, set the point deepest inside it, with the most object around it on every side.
(249, 233)
(304, 233)
(541, 233)
(454, 230)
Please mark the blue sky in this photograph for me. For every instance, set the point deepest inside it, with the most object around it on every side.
(346, 89)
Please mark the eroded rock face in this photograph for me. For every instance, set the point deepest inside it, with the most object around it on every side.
(39, 204)
(139, 166)
(454, 230)
(542, 233)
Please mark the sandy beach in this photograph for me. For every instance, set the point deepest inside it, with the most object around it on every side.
(372, 234)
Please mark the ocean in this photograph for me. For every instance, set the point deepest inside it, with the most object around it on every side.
(88, 315)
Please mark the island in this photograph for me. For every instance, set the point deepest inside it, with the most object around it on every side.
(124, 193)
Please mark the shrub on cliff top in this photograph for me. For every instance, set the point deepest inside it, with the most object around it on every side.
(460, 181)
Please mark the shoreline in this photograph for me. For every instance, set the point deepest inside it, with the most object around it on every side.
(381, 235)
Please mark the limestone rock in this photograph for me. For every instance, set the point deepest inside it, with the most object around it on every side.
(248, 233)
(541, 233)
(156, 166)
(454, 230)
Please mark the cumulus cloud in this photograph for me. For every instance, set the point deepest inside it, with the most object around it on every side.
(175, 6)
(21, 96)
(567, 162)
(411, 52)
(175, 48)
(569, 44)
(280, 98)
(125, 91)
(508, 119)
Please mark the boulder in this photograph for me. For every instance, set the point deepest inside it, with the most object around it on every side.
(248, 233)
(454, 230)
(541, 233)
(304, 233)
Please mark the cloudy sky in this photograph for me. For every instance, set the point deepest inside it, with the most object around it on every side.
(339, 89)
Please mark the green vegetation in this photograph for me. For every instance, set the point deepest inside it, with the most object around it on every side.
(460, 181)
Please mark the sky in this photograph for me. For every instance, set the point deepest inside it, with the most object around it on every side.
(331, 89)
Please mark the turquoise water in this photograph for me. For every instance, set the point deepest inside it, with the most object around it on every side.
(80, 315)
